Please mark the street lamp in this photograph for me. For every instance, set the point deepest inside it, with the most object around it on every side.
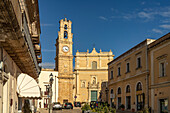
(106, 90)
(50, 92)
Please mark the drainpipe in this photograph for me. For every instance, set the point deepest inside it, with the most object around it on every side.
(1, 80)
(147, 77)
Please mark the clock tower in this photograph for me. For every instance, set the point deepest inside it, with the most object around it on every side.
(64, 61)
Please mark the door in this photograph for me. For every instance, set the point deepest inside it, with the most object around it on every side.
(93, 95)
(140, 101)
(163, 105)
(128, 102)
(119, 102)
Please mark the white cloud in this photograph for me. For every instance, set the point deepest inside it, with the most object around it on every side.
(165, 14)
(157, 31)
(49, 65)
(103, 18)
(129, 16)
(47, 50)
(165, 26)
(144, 15)
(165, 21)
(147, 14)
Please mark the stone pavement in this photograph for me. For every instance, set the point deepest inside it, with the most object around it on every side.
(74, 110)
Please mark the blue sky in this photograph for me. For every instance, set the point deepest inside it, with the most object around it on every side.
(104, 24)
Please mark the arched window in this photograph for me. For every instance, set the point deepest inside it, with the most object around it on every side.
(119, 91)
(65, 34)
(94, 65)
(111, 92)
(65, 27)
(128, 89)
(139, 87)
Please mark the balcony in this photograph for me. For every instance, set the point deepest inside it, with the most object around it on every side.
(15, 35)
(37, 49)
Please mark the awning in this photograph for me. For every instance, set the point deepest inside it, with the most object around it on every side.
(27, 87)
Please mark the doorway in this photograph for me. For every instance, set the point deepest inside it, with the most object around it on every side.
(119, 102)
(163, 105)
(93, 95)
(140, 101)
(128, 102)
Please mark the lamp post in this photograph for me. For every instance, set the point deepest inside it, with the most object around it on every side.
(50, 93)
(106, 90)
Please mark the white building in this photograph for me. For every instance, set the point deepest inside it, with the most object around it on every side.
(44, 79)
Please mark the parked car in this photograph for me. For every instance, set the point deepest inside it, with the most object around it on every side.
(57, 105)
(77, 104)
(68, 105)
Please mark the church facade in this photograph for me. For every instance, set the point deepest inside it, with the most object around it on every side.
(90, 71)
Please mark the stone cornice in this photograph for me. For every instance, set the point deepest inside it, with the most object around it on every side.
(90, 69)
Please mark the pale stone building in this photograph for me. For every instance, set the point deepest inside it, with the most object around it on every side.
(159, 68)
(129, 78)
(139, 78)
(64, 61)
(90, 71)
(44, 84)
(20, 51)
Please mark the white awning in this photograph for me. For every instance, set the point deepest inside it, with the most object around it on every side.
(27, 87)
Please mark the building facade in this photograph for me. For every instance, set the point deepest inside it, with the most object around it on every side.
(139, 78)
(90, 71)
(64, 61)
(20, 50)
(44, 83)
(129, 77)
(159, 65)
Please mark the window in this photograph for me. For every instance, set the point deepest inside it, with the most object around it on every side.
(139, 87)
(128, 89)
(65, 34)
(118, 71)
(119, 91)
(111, 92)
(65, 27)
(139, 62)
(94, 65)
(127, 68)
(111, 75)
(162, 69)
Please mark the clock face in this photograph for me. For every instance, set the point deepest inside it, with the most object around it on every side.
(65, 48)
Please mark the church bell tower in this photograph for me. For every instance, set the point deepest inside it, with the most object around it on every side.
(64, 61)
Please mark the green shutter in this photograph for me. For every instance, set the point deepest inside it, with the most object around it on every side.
(93, 95)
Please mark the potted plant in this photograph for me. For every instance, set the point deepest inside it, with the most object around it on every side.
(122, 107)
(133, 110)
(86, 107)
(112, 110)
